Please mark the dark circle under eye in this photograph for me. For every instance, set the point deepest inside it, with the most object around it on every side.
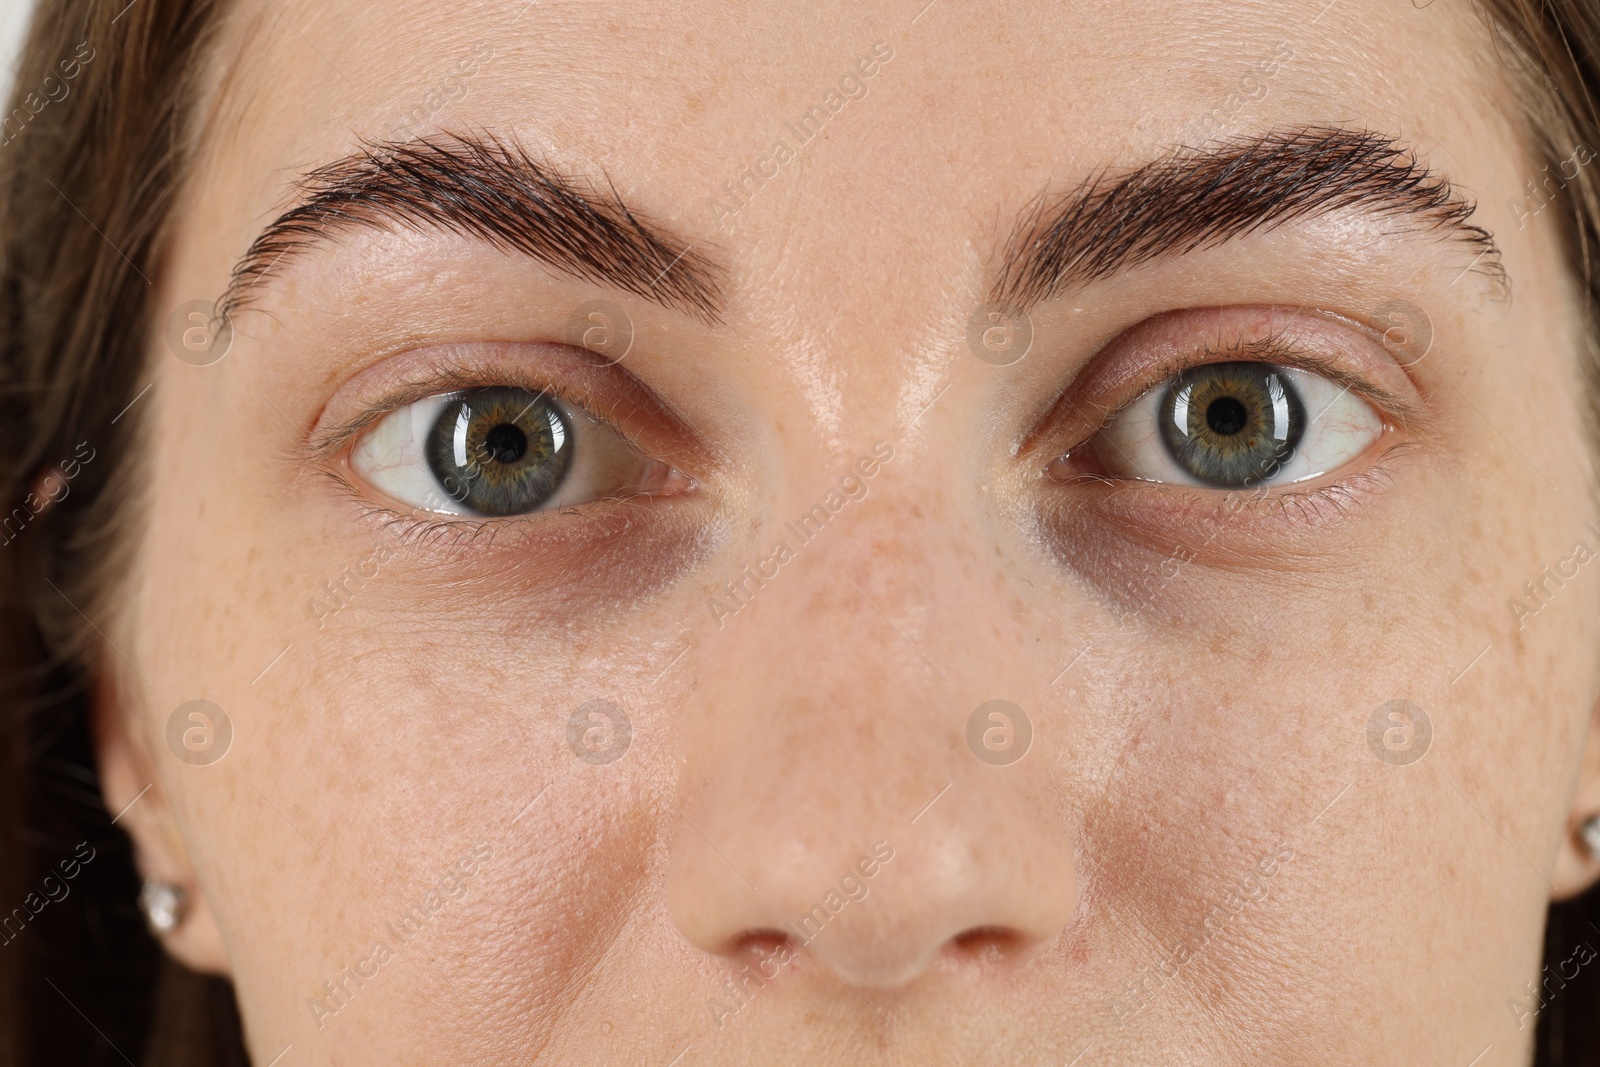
(500, 451)
(1231, 424)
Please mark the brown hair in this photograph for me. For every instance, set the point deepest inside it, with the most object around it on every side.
(94, 147)
(92, 151)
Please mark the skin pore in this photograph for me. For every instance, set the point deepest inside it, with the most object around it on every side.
(1201, 858)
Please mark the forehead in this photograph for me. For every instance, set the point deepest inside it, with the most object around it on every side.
(832, 126)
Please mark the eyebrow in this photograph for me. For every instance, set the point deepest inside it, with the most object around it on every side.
(484, 188)
(1194, 198)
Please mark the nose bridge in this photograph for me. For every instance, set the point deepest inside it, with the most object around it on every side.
(881, 561)
(835, 797)
(842, 656)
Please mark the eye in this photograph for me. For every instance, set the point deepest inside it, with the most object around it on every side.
(1227, 425)
(500, 451)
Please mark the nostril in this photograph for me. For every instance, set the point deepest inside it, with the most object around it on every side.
(753, 945)
(761, 957)
(983, 944)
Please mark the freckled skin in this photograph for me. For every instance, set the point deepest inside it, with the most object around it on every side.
(1107, 896)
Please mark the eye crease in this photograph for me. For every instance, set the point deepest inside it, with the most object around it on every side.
(1235, 424)
(499, 452)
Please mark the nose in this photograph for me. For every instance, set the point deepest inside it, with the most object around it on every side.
(839, 810)
(879, 861)
(977, 878)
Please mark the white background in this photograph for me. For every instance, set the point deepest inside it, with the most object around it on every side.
(13, 22)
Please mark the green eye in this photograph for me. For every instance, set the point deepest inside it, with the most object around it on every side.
(499, 451)
(1231, 424)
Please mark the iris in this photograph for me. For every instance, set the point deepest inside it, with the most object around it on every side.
(500, 450)
(1231, 424)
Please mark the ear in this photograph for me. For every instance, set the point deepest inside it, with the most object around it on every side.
(131, 786)
(1577, 867)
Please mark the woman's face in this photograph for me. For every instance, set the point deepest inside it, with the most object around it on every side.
(649, 447)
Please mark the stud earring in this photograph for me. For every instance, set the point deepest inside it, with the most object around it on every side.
(1589, 834)
(164, 903)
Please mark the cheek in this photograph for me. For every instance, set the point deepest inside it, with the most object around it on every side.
(367, 762)
(1256, 716)
(370, 752)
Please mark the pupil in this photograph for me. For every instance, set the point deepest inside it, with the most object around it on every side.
(506, 444)
(1226, 416)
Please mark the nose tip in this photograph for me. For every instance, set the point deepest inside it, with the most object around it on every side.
(894, 962)
(946, 893)
(948, 902)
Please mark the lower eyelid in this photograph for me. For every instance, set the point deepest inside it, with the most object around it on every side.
(1297, 529)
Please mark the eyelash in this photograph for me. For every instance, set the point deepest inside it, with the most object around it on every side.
(411, 528)
(461, 531)
(452, 376)
(1167, 515)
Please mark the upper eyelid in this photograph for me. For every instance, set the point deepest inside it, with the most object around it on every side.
(324, 444)
(327, 442)
(1279, 350)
